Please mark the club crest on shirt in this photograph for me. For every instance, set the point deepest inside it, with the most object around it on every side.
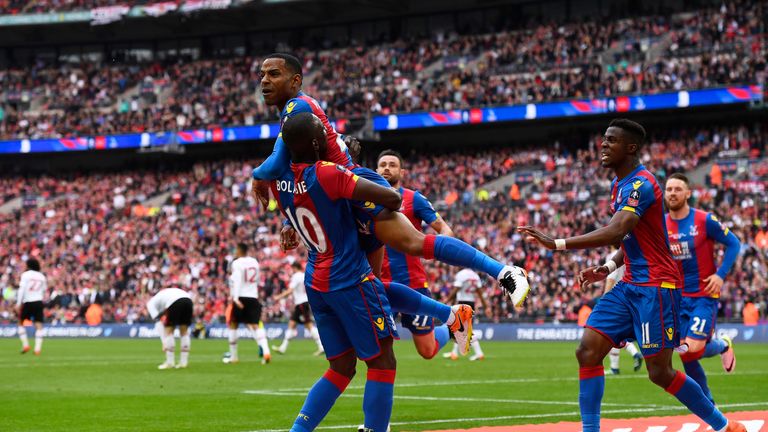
(694, 231)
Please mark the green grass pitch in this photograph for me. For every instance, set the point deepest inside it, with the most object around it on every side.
(113, 385)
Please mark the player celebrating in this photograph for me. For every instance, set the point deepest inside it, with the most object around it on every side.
(281, 87)
(29, 301)
(174, 306)
(692, 235)
(467, 287)
(644, 305)
(301, 312)
(246, 309)
(406, 269)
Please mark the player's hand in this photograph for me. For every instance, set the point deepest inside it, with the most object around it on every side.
(238, 303)
(289, 239)
(714, 283)
(260, 191)
(531, 235)
(353, 145)
(591, 275)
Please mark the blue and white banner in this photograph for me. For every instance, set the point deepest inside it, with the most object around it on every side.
(500, 332)
(580, 107)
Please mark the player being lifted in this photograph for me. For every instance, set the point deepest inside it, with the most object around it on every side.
(350, 305)
(246, 307)
(174, 307)
(467, 289)
(29, 301)
(644, 305)
(281, 87)
(407, 269)
(692, 236)
(301, 312)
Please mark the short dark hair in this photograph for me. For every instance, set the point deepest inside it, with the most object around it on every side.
(242, 247)
(681, 177)
(291, 62)
(635, 131)
(390, 152)
(297, 265)
(33, 264)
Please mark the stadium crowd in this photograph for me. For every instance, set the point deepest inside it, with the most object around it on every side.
(105, 249)
(709, 47)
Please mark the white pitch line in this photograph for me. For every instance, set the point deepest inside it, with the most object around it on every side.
(453, 399)
(518, 417)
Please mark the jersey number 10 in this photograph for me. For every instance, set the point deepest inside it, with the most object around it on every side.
(299, 222)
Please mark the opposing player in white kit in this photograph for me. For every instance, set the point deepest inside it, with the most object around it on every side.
(174, 307)
(246, 308)
(29, 302)
(301, 312)
(467, 289)
(630, 347)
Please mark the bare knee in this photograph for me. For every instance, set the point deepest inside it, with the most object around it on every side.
(345, 365)
(588, 356)
(385, 360)
(695, 345)
(661, 375)
(425, 347)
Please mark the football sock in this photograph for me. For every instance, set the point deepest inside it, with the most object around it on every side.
(260, 335)
(407, 300)
(476, 348)
(591, 387)
(378, 397)
(232, 333)
(442, 336)
(23, 337)
(316, 337)
(613, 356)
(170, 348)
(289, 334)
(186, 342)
(694, 370)
(632, 349)
(38, 341)
(715, 347)
(689, 393)
(457, 253)
(319, 401)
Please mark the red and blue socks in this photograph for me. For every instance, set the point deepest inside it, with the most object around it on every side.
(694, 370)
(320, 399)
(378, 398)
(591, 387)
(457, 253)
(715, 347)
(690, 394)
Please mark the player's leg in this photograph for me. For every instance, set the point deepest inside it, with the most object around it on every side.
(23, 313)
(478, 351)
(707, 310)
(38, 336)
(260, 336)
(613, 358)
(380, 388)
(657, 329)
(458, 318)
(606, 327)
(695, 330)
(170, 347)
(232, 324)
(395, 230)
(184, 345)
(251, 316)
(290, 333)
(307, 316)
(341, 357)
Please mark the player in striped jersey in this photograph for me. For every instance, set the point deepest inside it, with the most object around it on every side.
(29, 301)
(645, 305)
(246, 307)
(281, 87)
(692, 235)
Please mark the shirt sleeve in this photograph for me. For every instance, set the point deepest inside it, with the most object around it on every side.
(295, 106)
(275, 164)
(637, 196)
(22, 290)
(152, 308)
(721, 234)
(337, 181)
(423, 208)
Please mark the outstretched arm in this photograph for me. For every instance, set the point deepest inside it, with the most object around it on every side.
(366, 190)
(275, 164)
(621, 224)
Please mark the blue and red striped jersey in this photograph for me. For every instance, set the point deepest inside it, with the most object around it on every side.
(647, 258)
(402, 268)
(692, 242)
(314, 198)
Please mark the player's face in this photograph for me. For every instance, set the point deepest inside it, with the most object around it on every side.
(676, 194)
(613, 149)
(389, 168)
(278, 84)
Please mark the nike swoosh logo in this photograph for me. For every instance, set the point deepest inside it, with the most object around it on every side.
(461, 325)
